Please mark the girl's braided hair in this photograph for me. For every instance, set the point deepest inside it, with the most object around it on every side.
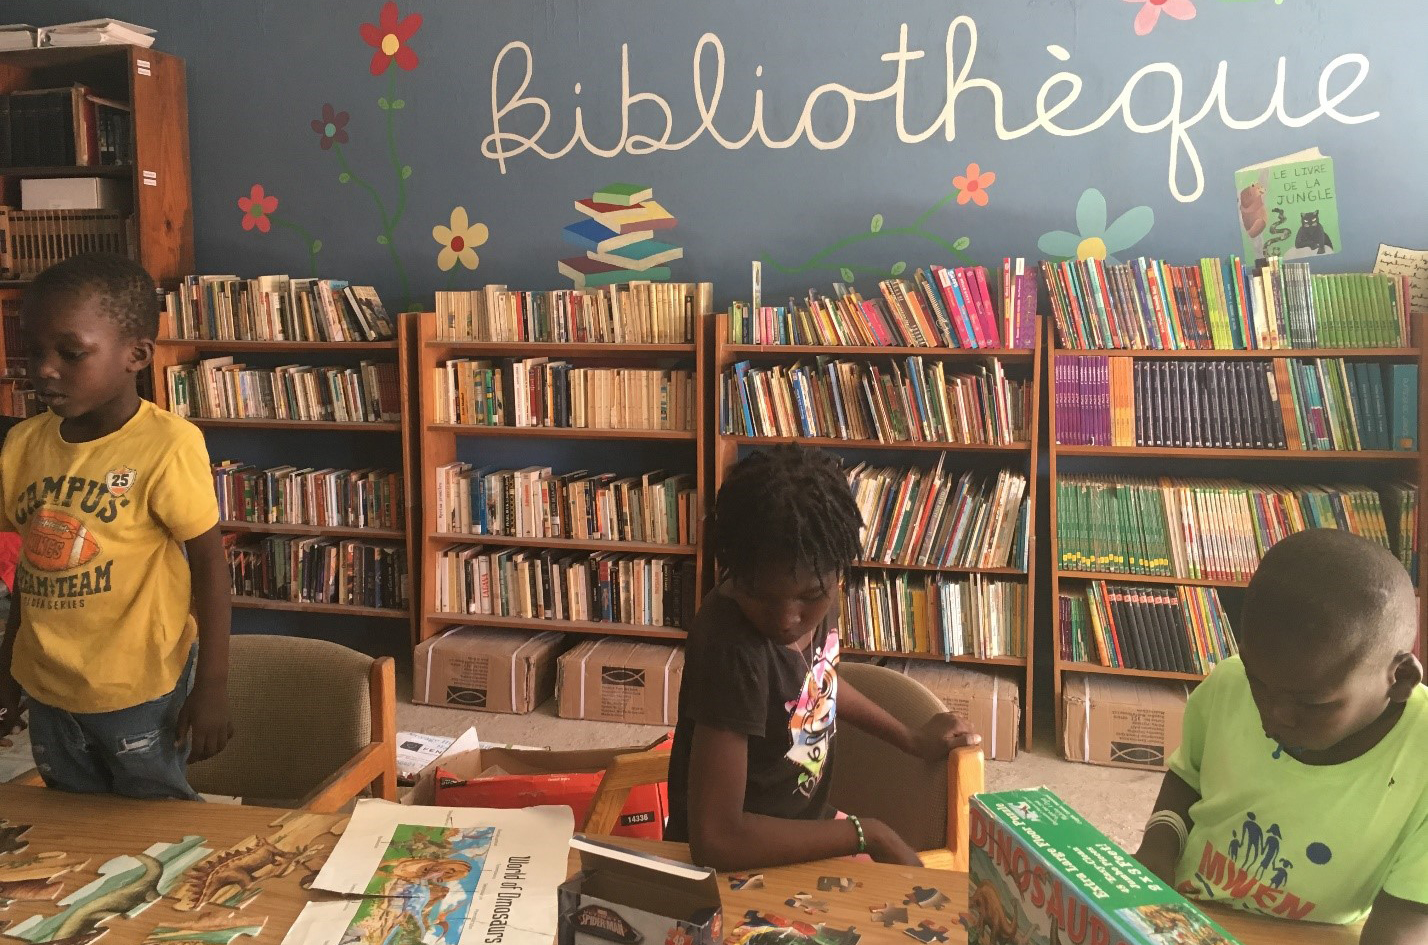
(786, 506)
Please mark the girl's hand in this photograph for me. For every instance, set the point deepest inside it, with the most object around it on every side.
(940, 735)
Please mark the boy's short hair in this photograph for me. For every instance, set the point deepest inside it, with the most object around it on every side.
(786, 506)
(124, 290)
(1329, 587)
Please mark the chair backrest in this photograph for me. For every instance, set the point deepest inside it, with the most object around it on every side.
(626, 772)
(873, 779)
(301, 710)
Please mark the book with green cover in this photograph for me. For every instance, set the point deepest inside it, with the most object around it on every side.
(623, 195)
(1405, 406)
(1288, 207)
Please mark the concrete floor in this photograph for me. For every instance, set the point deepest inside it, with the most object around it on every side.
(1116, 800)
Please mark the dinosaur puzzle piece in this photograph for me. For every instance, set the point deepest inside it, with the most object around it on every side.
(839, 883)
(215, 930)
(888, 915)
(927, 898)
(232, 878)
(928, 931)
(12, 837)
(746, 881)
(807, 903)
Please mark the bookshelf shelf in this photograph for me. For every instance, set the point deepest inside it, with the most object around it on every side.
(880, 445)
(567, 433)
(573, 544)
(314, 425)
(120, 171)
(1126, 578)
(438, 445)
(332, 531)
(1021, 457)
(1065, 666)
(599, 627)
(1206, 453)
(258, 347)
(306, 607)
(1260, 353)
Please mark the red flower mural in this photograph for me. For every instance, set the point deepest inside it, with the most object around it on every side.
(256, 207)
(389, 36)
(332, 126)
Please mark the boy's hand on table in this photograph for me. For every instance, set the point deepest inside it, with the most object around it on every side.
(940, 735)
(1159, 856)
(885, 846)
(205, 721)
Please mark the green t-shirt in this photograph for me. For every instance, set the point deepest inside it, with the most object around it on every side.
(1278, 837)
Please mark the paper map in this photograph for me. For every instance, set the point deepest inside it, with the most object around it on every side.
(441, 876)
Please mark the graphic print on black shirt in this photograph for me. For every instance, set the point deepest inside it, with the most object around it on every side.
(738, 680)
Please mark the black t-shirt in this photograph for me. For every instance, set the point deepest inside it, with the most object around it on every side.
(785, 701)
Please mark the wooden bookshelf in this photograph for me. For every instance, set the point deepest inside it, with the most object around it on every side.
(1022, 456)
(438, 444)
(1357, 466)
(171, 350)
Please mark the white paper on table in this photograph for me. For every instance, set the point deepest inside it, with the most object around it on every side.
(416, 750)
(487, 877)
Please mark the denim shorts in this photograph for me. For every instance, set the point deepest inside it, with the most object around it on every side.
(130, 752)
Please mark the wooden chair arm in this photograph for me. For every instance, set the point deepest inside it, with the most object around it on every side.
(966, 775)
(30, 778)
(333, 795)
(625, 773)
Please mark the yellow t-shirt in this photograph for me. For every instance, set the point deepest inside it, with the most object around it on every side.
(107, 619)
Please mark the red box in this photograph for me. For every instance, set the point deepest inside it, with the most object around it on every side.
(531, 777)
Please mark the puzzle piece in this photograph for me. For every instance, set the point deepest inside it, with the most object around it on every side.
(756, 922)
(232, 878)
(888, 915)
(928, 931)
(927, 898)
(807, 903)
(127, 885)
(848, 936)
(38, 866)
(12, 837)
(28, 890)
(215, 930)
(840, 883)
(745, 881)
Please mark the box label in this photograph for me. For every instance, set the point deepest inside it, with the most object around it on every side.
(466, 697)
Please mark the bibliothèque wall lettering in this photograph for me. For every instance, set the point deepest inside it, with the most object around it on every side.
(655, 127)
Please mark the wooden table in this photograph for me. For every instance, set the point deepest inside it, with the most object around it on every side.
(99, 828)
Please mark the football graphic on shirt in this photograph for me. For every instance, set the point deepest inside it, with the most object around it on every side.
(58, 542)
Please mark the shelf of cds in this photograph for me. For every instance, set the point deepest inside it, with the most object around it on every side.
(1287, 400)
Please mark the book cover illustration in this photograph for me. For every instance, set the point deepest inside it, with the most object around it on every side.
(1288, 207)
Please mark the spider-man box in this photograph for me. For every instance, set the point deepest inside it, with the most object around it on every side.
(1042, 875)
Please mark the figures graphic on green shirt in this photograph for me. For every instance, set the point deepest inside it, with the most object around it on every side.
(812, 718)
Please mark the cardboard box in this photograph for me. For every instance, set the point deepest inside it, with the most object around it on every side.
(615, 680)
(508, 778)
(487, 669)
(1124, 723)
(623, 896)
(73, 193)
(1040, 873)
(991, 703)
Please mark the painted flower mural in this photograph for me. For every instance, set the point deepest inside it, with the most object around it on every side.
(332, 127)
(459, 241)
(256, 207)
(972, 186)
(1150, 11)
(389, 37)
(1095, 238)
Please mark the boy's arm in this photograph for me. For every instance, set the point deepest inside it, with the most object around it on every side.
(9, 688)
(1161, 847)
(205, 713)
(724, 836)
(1395, 921)
(932, 742)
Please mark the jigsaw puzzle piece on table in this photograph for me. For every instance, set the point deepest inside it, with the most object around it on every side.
(127, 885)
(28, 890)
(310, 832)
(927, 898)
(217, 930)
(746, 881)
(765, 928)
(807, 903)
(232, 878)
(889, 915)
(928, 931)
(838, 883)
(38, 866)
(848, 936)
(12, 837)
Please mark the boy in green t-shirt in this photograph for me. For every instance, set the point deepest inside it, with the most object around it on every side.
(1301, 788)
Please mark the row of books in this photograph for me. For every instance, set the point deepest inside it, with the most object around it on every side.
(276, 308)
(537, 502)
(319, 571)
(942, 616)
(538, 392)
(938, 308)
(918, 517)
(1161, 629)
(1287, 403)
(1215, 529)
(642, 590)
(219, 388)
(911, 401)
(64, 127)
(1224, 304)
(288, 495)
(634, 313)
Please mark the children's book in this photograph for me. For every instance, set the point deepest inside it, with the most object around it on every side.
(1288, 207)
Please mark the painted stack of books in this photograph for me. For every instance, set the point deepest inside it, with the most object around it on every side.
(1212, 529)
(1132, 626)
(1222, 304)
(1288, 403)
(617, 234)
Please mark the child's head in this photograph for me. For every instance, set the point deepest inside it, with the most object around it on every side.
(785, 529)
(1327, 637)
(90, 324)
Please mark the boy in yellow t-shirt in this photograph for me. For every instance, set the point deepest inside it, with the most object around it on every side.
(114, 503)
(1301, 787)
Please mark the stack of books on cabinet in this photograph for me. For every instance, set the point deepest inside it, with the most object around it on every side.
(1288, 400)
(322, 538)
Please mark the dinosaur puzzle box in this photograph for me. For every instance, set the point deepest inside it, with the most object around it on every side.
(1041, 875)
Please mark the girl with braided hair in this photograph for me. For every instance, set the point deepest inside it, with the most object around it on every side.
(749, 774)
